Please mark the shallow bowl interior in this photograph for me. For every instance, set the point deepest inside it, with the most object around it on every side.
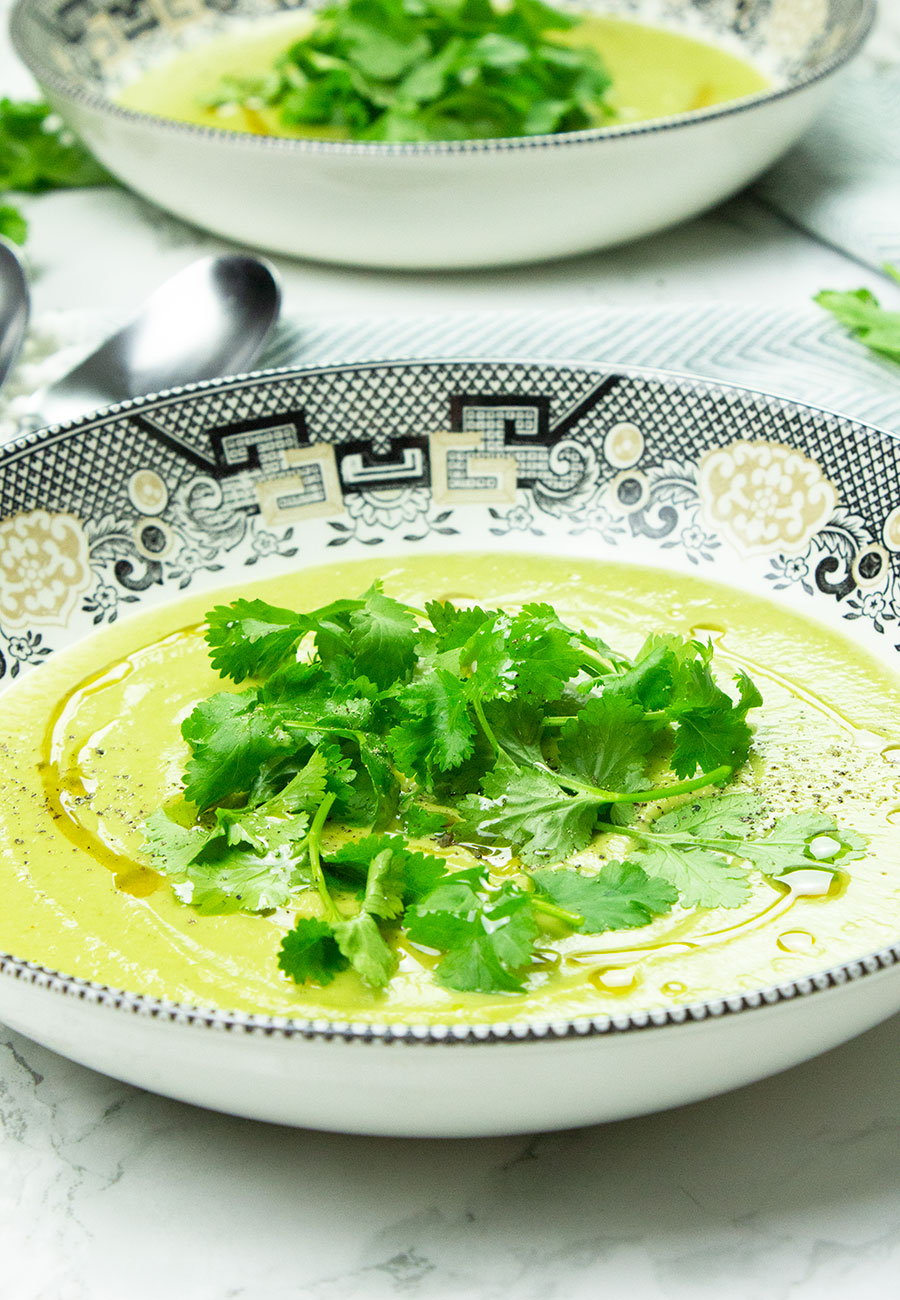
(238, 479)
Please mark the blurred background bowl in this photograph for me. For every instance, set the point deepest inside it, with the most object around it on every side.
(453, 204)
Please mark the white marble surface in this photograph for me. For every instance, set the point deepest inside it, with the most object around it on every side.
(788, 1190)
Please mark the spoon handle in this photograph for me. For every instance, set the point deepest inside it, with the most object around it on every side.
(14, 307)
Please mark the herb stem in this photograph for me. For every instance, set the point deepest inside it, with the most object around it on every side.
(640, 796)
(572, 919)
(486, 726)
(598, 659)
(318, 875)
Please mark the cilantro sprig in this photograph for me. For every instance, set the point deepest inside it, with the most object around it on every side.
(351, 729)
(38, 153)
(414, 70)
(862, 313)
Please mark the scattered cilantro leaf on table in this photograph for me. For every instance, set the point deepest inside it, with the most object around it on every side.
(862, 313)
(38, 153)
(497, 732)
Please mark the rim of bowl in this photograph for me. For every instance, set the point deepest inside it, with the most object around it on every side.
(467, 1032)
(74, 90)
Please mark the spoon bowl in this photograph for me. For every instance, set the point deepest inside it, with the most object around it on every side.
(14, 308)
(209, 319)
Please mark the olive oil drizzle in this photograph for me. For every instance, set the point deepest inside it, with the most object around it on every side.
(67, 793)
(64, 782)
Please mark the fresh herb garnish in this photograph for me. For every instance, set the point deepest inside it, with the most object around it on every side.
(38, 153)
(413, 70)
(862, 313)
(491, 730)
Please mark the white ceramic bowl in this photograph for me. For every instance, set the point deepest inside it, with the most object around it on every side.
(475, 203)
(176, 492)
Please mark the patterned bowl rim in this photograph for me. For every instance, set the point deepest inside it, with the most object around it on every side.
(35, 57)
(164, 1010)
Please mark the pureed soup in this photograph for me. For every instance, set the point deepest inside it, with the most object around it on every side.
(91, 749)
(654, 73)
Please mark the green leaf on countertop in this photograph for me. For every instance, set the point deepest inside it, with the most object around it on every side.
(862, 313)
(38, 152)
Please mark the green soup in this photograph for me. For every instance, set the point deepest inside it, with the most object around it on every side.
(90, 744)
(655, 73)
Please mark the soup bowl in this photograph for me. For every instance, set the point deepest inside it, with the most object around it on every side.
(451, 204)
(139, 506)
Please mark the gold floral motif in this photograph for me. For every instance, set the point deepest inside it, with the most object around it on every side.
(44, 569)
(764, 497)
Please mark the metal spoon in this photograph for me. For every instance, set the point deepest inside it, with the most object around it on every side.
(210, 319)
(13, 308)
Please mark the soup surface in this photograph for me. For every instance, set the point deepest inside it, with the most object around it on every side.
(655, 73)
(90, 745)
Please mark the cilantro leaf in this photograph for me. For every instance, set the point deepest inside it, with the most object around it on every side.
(171, 845)
(528, 810)
(230, 737)
(546, 654)
(384, 635)
(702, 877)
(309, 953)
(452, 626)
(419, 822)
(250, 638)
(37, 153)
(724, 815)
(438, 733)
(13, 225)
(650, 680)
(360, 940)
(620, 896)
(488, 938)
(413, 874)
(608, 742)
(474, 967)
(862, 313)
(712, 730)
(517, 725)
(223, 878)
(385, 886)
(276, 821)
(786, 847)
